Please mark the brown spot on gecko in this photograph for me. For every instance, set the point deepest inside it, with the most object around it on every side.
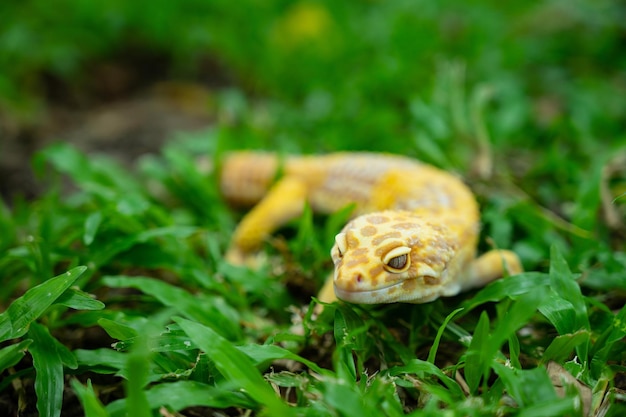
(378, 239)
(352, 241)
(358, 252)
(406, 226)
(368, 231)
(373, 281)
(386, 248)
(377, 219)
(376, 270)
(356, 261)
(409, 285)
(428, 280)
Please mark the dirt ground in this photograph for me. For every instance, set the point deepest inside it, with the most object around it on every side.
(124, 128)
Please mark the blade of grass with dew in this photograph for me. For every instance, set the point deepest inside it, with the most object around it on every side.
(424, 368)
(350, 337)
(101, 360)
(11, 355)
(485, 345)
(179, 395)
(117, 330)
(574, 316)
(475, 358)
(263, 355)
(563, 345)
(235, 366)
(23, 311)
(206, 309)
(49, 356)
(79, 300)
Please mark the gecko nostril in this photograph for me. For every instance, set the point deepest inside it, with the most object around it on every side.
(359, 277)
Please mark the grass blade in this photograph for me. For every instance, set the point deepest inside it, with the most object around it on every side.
(183, 394)
(212, 311)
(79, 300)
(433, 349)
(22, 312)
(11, 355)
(48, 365)
(89, 400)
(475, 365)
(563, 345)
(234, 365)
(137, 369)
(264, 354)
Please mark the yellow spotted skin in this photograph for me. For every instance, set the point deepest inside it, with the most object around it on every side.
(412, 238)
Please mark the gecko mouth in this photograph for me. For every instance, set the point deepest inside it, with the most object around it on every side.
(428, 290)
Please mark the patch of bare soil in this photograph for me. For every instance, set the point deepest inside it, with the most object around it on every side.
(125, 129)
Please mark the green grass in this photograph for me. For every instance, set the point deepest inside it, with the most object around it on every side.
(115, 287)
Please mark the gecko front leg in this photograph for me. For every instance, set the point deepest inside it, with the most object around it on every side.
(491, 266)
(284, 201)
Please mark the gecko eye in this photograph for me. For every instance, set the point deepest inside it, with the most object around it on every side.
(397, 260)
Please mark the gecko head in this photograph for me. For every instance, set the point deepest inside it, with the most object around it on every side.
(393, 256)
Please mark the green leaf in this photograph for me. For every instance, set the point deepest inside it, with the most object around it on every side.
(344, 398)
(562, 346)
(235, 366)
(101, 358)
(485, 346)
(603, 345)
(48, 365)
(560, 313)
(527, 387)
(79, 300)
(137, 368)
(184, 394)
(511, 287)
(477, 360)
(433, 349)
(262, 355)
(89, 400)
(350, 337)
(92, 223)
(563, 284)
(11, 355)
(117, 330)
(513, 318)
(22, 312)
(206, 309)
(424, 368)
(305, 241)
(113, 247)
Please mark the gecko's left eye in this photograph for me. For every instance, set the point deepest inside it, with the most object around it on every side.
(397, 260)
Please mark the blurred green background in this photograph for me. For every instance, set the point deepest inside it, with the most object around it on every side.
(538, 87)
(354, 71)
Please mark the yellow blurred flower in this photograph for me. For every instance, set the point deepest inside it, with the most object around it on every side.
(304, 23)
